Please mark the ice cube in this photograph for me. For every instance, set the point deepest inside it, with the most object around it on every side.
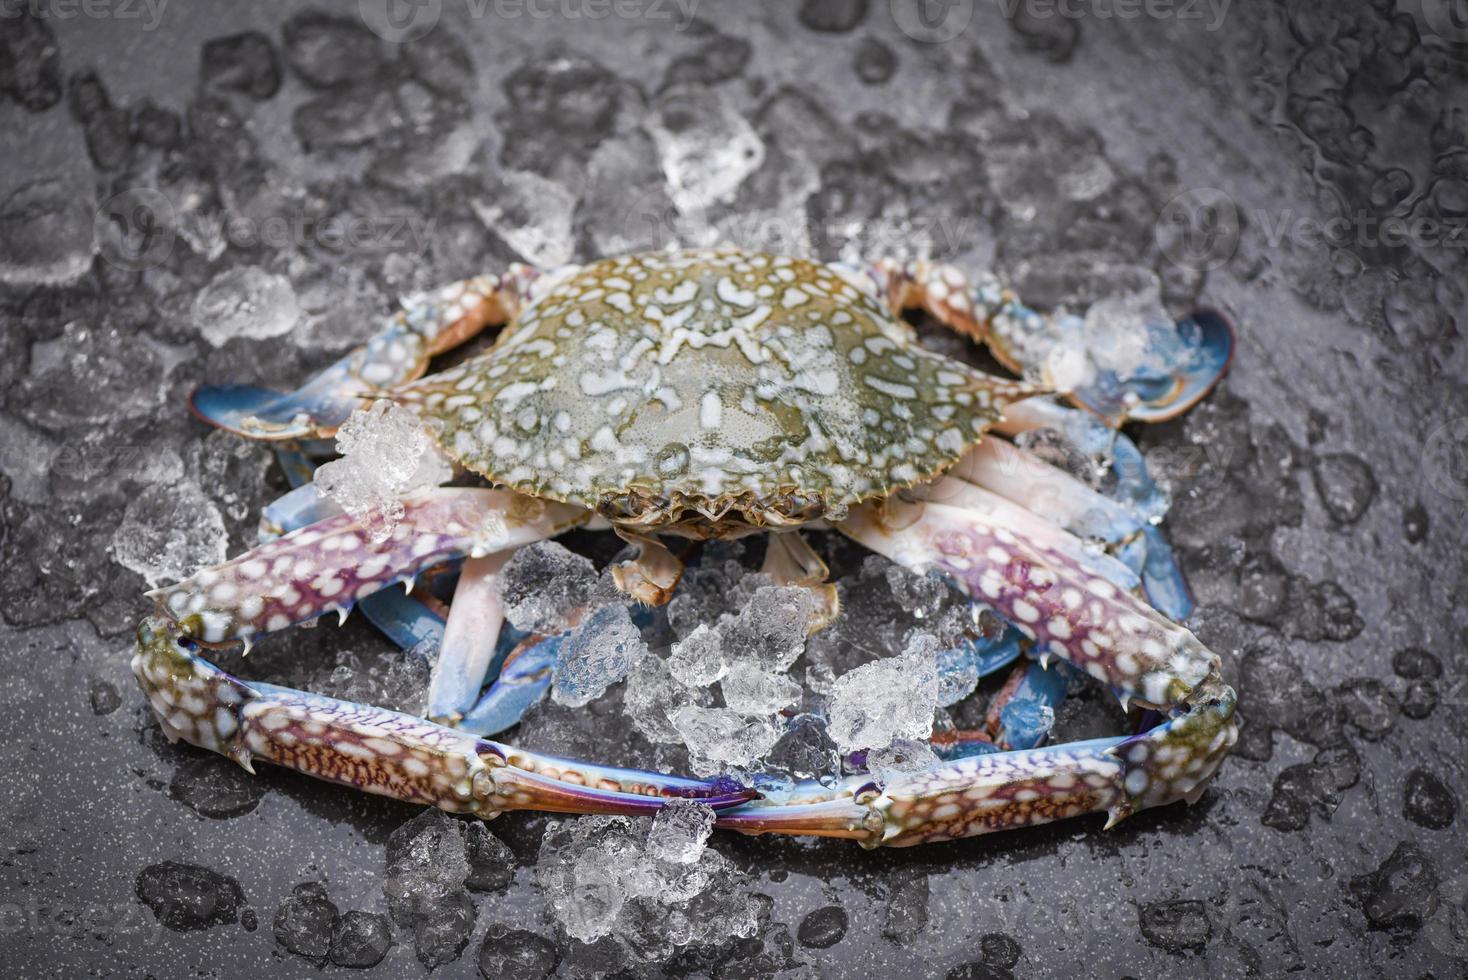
(922, 595)
(705, 146)
(386, 454)
(902, 756)
(533, 216)
(680, 830)
(698, 659)
(751, 690)
(885, 700)
(46, 234)
(597, 654)
(718, 738)
(169, 532)
(545, 587)
(248, 303)
(770, 630)
(653, 696)
(583, 870)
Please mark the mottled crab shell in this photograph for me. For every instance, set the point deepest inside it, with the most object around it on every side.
(704, 389)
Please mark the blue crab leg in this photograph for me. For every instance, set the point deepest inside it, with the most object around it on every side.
(1042, 587)
(429, 324)
(1183, 360)
(522, 682)
(380, 751)
(1151, 557)
(1025, 479)
(470, 639)
(332, 564)
(1022, 715)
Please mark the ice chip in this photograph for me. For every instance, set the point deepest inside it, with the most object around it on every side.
(597, 654)
(386, 454)
(885, 700)
(169, 532)
(902, 756)
(751, 690)
(653, 696)
(246, 302)
(718, 737)
(705, 146)
(770, 630)
(680, 830)
(545, 587)
(698, 659)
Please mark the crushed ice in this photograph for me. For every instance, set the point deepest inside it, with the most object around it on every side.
(652, 886)
(386, 455)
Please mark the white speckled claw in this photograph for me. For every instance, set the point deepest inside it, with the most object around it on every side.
(380, 751)
(429, 324)
(329, 565)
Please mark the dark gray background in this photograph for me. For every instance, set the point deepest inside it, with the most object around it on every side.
(1320, 492)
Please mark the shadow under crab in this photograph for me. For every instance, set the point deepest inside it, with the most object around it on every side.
(714, 394)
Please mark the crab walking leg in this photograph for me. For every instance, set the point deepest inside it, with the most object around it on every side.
(790, 560)
(470, 637)
(1037, 584)
(1184, 360)
(429, 324)
(380, 751)
(1027, 480)
(1029, 525)
(330, 565)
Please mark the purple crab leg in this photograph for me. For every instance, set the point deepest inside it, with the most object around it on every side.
(470, 639)
(406, 621)
(429, 324)
(332, 564)
(381, 751)
(1039, 585)
(1025, 479)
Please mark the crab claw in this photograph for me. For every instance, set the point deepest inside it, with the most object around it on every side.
(381, 751)
(1183, 366)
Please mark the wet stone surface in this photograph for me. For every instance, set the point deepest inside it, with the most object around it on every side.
(239, 192)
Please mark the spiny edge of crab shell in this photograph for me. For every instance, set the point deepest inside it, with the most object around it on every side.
(761, 506)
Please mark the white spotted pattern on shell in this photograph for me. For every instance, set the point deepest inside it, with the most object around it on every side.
(694, 387)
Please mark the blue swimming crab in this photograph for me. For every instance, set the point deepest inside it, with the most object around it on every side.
(714, 394)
